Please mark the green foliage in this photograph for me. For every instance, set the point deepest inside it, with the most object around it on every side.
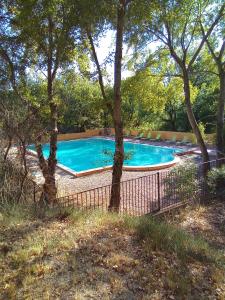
(51, 24)
(143, 97)
(174, 116)
(164, 237)
(184, 182)
(146, 126)
(216, 180)
(80, 103)
(110, 154)
(14, 188)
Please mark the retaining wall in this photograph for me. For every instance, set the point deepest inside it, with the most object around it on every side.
(164, 135)
(169, 135)
(79, 135)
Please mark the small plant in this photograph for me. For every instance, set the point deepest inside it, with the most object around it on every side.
(182, 182)
(146, 127)
(216, 180)
(14, 186)
(110, 154)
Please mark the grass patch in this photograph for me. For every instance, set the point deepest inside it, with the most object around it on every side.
(61, 253)
(159, 235)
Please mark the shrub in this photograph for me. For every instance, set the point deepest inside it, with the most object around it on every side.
(110, 155)
(14, 187)
(182, 182)
(147, 126)
(216, 180)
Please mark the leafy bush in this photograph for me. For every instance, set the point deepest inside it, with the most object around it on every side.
(145, 127)
(110, 155)
(14, 187)
(216, 180)
(182, 182)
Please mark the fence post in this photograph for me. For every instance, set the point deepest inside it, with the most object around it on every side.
(158, 186)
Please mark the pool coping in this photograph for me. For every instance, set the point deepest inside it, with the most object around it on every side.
(155, 167)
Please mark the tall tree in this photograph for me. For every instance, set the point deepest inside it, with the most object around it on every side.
(175, 24)
(114, 107)
(48, 36)
(216, 46)
(117, 114)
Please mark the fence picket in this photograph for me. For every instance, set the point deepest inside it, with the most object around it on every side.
(143, 195)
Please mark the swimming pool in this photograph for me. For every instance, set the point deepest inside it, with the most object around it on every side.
(93, 153)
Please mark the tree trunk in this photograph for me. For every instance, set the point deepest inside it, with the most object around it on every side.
(117, 117)
(52, 161)
(24, 162)
(193, 122)
(220, 117)
(49, 187)
(107, 103)
(48, 167)
(50, 184)
(8, 148)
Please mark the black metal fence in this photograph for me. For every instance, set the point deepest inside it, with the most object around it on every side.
(149, 194)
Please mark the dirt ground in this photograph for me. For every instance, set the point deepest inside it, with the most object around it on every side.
(100, 257)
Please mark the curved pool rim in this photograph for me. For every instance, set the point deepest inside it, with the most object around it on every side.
(156, 167)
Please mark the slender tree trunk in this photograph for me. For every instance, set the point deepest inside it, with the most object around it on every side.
(24, 162)
(49, 192)
(8, 148)
(49, 187)
(52, 161)
(48, 167)
(220, 117)
(173, 125)
(190, 113)
(117, 117)
(107, 103)
(193, 122)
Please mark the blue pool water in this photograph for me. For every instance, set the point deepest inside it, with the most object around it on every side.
(84, 154)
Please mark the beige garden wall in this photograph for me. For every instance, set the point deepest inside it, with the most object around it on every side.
(80, 135)
(168, 135)
(164, 135)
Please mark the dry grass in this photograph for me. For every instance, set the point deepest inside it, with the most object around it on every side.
(75, 255)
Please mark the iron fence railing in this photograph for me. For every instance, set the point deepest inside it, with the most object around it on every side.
(139, 196)
(147, 194)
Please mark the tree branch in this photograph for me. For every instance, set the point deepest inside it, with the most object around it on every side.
(220, 14)
(100, 77)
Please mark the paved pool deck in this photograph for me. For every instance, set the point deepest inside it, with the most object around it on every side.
(68, 184)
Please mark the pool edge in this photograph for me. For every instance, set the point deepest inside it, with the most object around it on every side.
(125, 168)
(155, 167)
